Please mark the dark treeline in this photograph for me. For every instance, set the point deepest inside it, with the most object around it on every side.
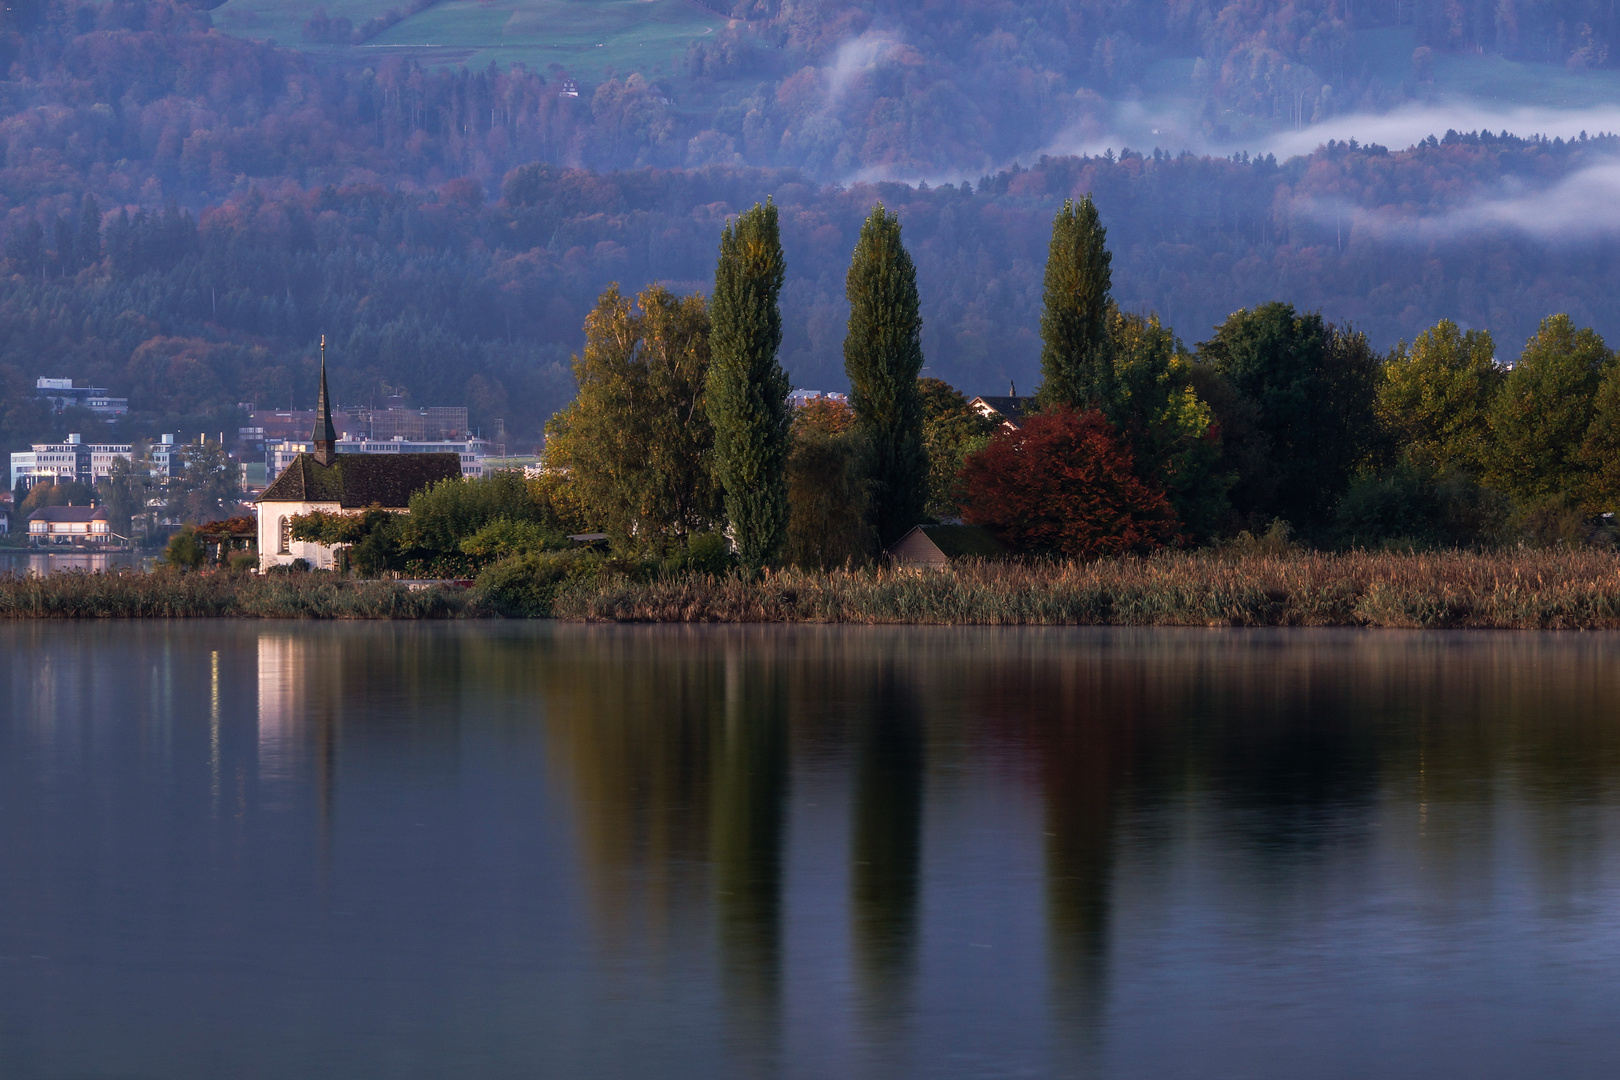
(459, 299)
(185, 212)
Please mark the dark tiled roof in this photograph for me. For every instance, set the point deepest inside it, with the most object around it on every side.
(354, 481)
(68, 514)
(1011, 408)
(964, 541)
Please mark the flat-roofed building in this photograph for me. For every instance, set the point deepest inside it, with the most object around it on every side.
(62, 394)
(74, 459)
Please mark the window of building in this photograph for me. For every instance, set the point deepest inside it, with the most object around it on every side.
(285, 547)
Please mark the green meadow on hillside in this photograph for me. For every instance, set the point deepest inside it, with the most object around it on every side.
(586, 37)
(1386, 53)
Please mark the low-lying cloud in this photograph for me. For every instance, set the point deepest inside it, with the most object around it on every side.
(855, 57)
(1401, 128)
(1585, 205)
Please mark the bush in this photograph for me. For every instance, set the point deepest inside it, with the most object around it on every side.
(185, 551)
(450, 511)
(705, 553)
(500, 539)
(1410, 509)
(242, 561)
(1275, 542)
(1553, 521)
(1399, 509)
(524, 586)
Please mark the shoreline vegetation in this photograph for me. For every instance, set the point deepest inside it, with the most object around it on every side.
(1522, 589)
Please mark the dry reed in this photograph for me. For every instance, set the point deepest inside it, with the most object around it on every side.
(1544, 590)
(79, 595)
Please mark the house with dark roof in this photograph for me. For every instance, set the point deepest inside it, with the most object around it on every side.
(338, 483)
(940, 545)
(69, 525)
(1007, 411)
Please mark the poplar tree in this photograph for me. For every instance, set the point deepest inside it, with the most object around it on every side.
(748, 389)
(883, 357)
(1076, 366)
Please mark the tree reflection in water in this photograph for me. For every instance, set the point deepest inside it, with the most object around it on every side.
(804, 851)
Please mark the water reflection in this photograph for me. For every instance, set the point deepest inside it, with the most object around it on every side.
(886, 847)
(36, 563)
(628, 851)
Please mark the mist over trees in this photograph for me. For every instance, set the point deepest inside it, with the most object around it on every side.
(183, 213)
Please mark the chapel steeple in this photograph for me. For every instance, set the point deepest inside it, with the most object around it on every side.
(325, 434)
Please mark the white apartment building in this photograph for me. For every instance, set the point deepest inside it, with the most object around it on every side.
(74, 459)
(473, 452)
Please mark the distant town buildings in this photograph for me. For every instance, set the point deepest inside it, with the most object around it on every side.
(395, 428)
(800, 398)
(72, 460)
(471, 452)
(63, 395)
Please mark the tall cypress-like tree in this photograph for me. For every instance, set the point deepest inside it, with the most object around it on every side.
(883, 357)
(747, 387)
(1076, 366)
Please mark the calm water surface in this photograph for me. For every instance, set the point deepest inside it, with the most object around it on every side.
(40, 562)
(504, 850)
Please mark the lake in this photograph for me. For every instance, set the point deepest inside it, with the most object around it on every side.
(240, 849)
(36, 562)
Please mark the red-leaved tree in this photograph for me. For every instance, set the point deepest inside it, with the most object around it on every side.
(1064, 483)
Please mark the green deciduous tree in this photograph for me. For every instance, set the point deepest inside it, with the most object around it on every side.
(951, 431)
(747, 386)
(1157, 412)
(125, 492)
(446, 514)
(637, 443)
(1540, 420)
(882, 357)
(59, 493)
(1075, 368)
(1299, 397)
(1435, 398)
(1600, 449)
(828, 491)
(185, 550)
(209, 488)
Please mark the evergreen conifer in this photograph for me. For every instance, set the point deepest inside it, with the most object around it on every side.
(1075, 360)
(883, 357)
(748, 389)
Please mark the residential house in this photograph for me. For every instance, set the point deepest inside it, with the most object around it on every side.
(1007, 411)
(69, 525)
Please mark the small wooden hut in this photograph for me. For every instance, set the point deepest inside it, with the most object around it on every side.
(940, 545)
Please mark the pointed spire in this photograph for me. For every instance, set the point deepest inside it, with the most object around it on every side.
(325, 433)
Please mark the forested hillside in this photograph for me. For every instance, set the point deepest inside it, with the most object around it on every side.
(185, 212)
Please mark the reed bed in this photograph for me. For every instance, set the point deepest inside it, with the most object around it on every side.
(82, 595)
(1539, 590)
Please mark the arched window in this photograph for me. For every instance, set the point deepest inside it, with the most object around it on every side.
(285, 548)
